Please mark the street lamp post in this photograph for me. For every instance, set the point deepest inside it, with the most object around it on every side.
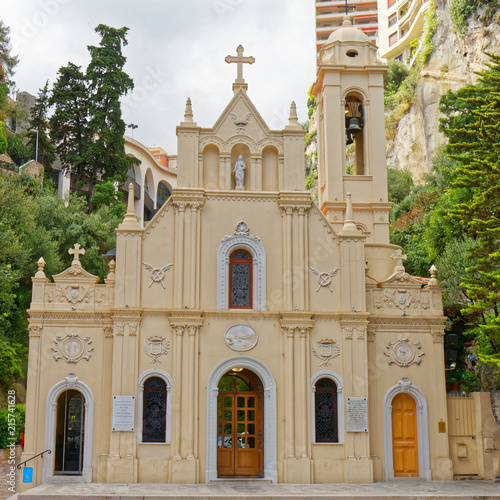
(133, 127)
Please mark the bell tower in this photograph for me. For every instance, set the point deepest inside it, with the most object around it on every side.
(349, 90)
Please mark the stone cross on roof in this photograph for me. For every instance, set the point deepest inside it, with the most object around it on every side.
(239, 59)
(76, 252)
(399, 257)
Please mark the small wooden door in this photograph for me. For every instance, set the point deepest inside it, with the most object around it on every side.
(238, 434)
(404, 436)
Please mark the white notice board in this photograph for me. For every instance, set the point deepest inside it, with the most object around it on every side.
(123, 413)
(357, 415)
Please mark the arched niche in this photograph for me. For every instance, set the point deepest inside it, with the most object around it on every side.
(163, 193)
(211, 157)
(355, 142)
(270, 173)
(236, 151)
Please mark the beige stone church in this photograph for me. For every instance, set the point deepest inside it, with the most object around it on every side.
(247, 331)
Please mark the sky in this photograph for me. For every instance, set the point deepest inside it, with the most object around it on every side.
(176, 50)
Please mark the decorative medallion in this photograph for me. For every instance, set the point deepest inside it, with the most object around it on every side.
(72, 348)
(326, 349)
(157, 273)
(324, 279)
(404, 352)
(154, 347)
(241, 338)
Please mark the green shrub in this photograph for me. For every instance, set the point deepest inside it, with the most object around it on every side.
(460, 11)
(6, 414)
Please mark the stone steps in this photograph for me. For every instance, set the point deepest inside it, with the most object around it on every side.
(259, 490)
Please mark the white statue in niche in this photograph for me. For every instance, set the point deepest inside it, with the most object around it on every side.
(239, 174)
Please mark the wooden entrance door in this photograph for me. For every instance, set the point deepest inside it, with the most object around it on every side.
(404, 436)
(239, 432)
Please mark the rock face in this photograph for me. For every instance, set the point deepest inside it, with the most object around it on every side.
(451, 65)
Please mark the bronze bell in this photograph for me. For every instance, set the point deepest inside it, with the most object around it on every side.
(354, 127)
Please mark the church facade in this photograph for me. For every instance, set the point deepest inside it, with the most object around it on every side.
(247, 331)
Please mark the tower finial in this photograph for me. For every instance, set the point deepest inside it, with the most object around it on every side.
(188, 114)
(130, 217)
(293, 119)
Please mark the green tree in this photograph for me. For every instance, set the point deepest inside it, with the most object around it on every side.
(396, 74)
(38, 137)
(399, 184)
(106, 195)
(107, 84)
(69, 122)
(7, 64)
(474, 142)
(7, 61)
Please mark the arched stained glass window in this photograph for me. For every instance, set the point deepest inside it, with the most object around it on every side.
(325, 403)
(240, 280)
(154, 411)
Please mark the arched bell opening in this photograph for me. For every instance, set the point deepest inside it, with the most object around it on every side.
(354, 134)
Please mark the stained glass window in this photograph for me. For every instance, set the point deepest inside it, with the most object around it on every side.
(154, 411)
(240, 275)
(326, 411)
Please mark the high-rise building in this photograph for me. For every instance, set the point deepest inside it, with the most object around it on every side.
(400, 22)
(330, 14)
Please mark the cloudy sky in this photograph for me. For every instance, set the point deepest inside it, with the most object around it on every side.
(175, 50)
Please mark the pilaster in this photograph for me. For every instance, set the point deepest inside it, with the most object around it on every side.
(296, 329)
(184, 466)
(295, 210)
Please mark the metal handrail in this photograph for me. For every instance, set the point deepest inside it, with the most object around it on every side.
(22, 463)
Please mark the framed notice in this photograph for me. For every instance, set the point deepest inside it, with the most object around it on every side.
(123, 413)
(357, 415)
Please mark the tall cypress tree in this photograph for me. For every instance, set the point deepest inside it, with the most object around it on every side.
(87, 126)
(474, 141)
(107, 84)
(69, 122)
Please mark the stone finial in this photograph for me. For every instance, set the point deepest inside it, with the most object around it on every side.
(399, 257)
(188, 114)
(433, 272)
(347, 21)
(112, 265)
(41, 264)
(293, 118)
(130, 216)
(349, 228)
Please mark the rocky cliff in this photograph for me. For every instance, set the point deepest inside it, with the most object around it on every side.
(451, 65)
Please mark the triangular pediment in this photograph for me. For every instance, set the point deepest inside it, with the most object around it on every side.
(75, 273)
(240, 117)
(402, 278)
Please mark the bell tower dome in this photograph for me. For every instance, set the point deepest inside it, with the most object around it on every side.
(349, 90)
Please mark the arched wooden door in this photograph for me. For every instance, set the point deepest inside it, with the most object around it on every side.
(240, 419)
(404, 436)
